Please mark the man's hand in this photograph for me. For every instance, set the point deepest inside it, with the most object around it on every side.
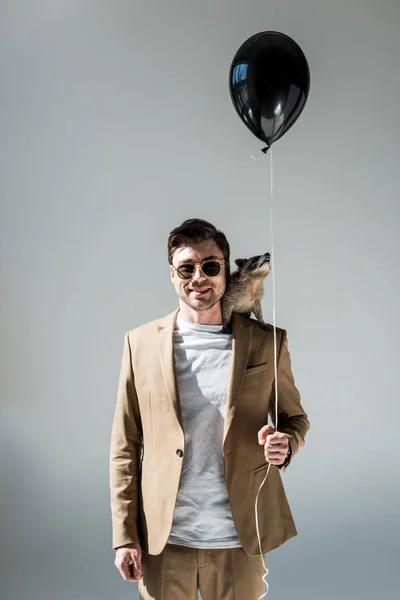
(276, 444)
(128, 560)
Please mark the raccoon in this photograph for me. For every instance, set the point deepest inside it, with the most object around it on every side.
(245, 289)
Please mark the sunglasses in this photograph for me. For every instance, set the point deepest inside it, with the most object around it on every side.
(210, 268)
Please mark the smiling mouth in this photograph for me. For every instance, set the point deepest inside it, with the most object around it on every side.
(200, 292)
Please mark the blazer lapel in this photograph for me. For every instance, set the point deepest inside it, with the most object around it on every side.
(165, 337)
(241, 342)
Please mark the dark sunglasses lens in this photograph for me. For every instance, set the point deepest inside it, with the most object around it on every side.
(211, 269)
(186, 271)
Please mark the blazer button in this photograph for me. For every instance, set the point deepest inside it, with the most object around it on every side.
(179, 453)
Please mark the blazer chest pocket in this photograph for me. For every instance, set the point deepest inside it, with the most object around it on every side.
(254, 370)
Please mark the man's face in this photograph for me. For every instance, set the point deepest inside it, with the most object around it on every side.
(211, 288)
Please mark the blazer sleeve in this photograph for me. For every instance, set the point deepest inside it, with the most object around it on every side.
(292, 419)
(125, 449)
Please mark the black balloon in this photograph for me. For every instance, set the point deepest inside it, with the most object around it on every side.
(269, 82)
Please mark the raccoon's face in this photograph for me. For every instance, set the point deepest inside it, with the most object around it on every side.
(256, 265)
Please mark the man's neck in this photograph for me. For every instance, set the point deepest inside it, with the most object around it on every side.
(213, 316)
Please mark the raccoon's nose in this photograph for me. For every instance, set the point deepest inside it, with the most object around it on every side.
(265, 258)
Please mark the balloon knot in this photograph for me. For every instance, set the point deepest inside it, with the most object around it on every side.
(265, 150)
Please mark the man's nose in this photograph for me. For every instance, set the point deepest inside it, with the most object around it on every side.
(198, 274)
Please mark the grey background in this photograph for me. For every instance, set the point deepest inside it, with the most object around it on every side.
(116, 125)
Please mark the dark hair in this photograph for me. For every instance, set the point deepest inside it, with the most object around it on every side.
(194, 231)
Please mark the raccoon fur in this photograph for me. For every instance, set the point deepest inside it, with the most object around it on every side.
(245, 289)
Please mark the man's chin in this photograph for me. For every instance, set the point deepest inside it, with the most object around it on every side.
(199, 304)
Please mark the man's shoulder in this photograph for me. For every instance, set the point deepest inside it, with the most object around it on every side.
(150, 326)
(257, 328)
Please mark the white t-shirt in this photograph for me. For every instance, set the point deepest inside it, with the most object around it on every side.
(203, 359)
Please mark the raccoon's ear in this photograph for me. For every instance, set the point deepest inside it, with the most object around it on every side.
(240, 262)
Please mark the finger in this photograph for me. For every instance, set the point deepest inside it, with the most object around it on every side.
(273, 450)
(136, 564)
(275, 456)
(275, 444)
(276, 447)
(137, 570)
(265, 428)
(264, 431)
(138, 575)
(276, 438)
(126, 567)
(126, 572)
(276, 461)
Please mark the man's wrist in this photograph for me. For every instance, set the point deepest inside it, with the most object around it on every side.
(287, 457)
(130, 545)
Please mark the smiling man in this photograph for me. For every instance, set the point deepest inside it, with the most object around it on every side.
(199, 274)
(190, 445)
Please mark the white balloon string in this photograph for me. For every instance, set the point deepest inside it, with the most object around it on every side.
(264, 577)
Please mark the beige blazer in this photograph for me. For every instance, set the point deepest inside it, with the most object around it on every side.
(148, 441)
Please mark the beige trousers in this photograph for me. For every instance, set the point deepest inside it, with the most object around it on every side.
(179, 572)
